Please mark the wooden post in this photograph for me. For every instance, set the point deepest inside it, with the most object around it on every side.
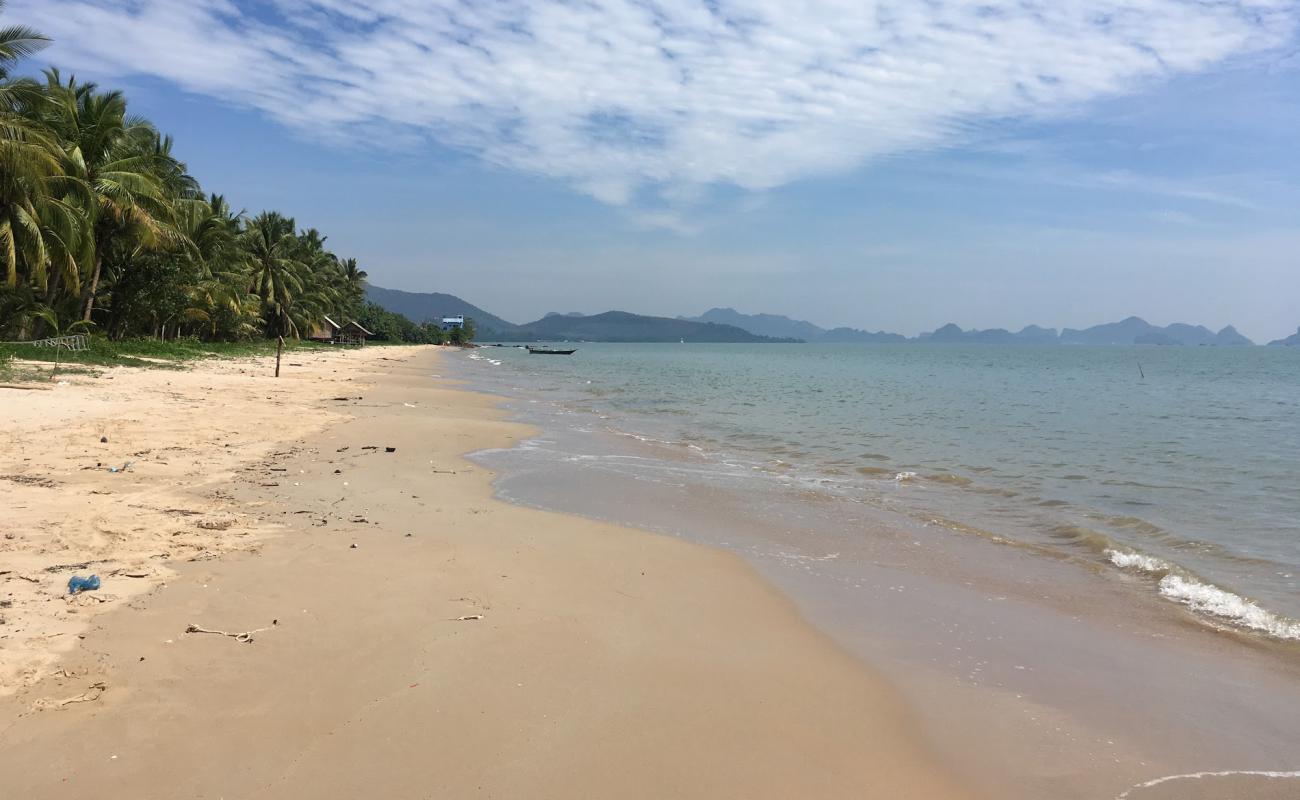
(279, 348)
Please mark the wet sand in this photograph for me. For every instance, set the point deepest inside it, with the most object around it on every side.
(410, 635)
(1037, 675)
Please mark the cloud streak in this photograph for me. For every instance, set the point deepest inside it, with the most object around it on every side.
(650, 101)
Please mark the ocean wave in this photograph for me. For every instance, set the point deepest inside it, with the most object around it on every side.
(1193, 776)
(1206, 598)
(1138, 561)
(1210, 599)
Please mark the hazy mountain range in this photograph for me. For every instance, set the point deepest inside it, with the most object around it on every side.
(784, 327)
(729, 325)
(611, 326)
(1291, 341)
(1133, 330)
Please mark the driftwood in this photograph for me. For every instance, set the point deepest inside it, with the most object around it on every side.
(93, 693)
(246, 636)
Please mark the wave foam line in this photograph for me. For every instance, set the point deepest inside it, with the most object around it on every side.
(1207, 598)
(1199, 775)
(1212, 600)
(1138, 561)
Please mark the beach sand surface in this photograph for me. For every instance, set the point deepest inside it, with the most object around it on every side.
(411, 636)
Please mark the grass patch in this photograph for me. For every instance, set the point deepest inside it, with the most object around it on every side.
(146, 353)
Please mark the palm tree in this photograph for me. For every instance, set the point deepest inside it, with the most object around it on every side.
(355, 277)
(122, 162)
(16, 43)
(38, 227)
(273, 250)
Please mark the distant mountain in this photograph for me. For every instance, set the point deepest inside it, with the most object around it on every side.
(620, 326)
(1034, 334)
(423, 307)
(1228, 337)
(783, 327)
(1123, 332)
(1157, 338)
(774, 325)
(1291, 341)
(1133, 330)
(729, 325)
(849, 335)
(950, 333)
(1189, 334)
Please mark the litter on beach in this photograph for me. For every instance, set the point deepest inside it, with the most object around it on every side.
(78, 584)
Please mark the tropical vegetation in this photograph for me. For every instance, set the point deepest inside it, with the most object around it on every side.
(103, 229)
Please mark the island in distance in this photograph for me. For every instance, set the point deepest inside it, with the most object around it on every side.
(729, 325)
(1133, 330)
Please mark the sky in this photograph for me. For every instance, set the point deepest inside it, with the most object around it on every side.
(880, 165)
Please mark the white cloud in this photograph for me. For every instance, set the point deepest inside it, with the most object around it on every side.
(626, 99)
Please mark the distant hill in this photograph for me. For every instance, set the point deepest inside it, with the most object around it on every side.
(761, 324)
(426, 306)
(1291, 341)
(850, 335)
(620, 326)
(781, 326)
(729, 325)
(1133, 330)
(1136, 330)
(1122, 332)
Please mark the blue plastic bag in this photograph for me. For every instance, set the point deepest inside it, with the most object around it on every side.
(79, 584)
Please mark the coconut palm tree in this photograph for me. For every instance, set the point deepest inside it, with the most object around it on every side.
(122, 162)
(355, 280)
(38, 227)
(16, 43)
(220, 289)
(273, 251)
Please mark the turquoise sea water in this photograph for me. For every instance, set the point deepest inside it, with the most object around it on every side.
(1180, 464)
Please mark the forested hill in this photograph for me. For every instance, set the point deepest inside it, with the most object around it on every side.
(621, 326)
(433, 306)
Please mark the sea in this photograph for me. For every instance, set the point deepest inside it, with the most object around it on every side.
(1109, 532)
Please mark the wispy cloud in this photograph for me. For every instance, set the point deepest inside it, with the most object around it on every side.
(654, 100)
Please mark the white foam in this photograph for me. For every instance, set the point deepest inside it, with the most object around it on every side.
(1192, 776)
(1138, 561)
(904, 476)
(1210, 599)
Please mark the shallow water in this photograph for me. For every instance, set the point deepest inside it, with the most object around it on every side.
(1042, 667)
(1164, 460)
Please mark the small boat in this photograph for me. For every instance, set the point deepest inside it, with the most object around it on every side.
(549, 351)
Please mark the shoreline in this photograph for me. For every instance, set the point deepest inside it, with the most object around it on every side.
(594, 659)
(1082, 679)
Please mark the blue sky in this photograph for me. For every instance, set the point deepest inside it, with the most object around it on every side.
(879, 165)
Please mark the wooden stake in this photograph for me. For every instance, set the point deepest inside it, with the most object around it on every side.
(279, 349)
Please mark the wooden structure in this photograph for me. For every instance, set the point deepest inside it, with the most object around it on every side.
(353, 334)
(324, 331)
(327, 330)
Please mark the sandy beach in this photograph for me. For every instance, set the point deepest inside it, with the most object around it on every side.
(407, 634)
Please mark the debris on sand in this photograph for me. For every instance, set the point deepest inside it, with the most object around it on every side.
(246, 637)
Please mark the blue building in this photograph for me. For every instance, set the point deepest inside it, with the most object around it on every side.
(451, 323)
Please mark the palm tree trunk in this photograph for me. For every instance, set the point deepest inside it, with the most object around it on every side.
(94, 285)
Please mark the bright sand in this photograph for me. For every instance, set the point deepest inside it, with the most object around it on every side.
(591, 660)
